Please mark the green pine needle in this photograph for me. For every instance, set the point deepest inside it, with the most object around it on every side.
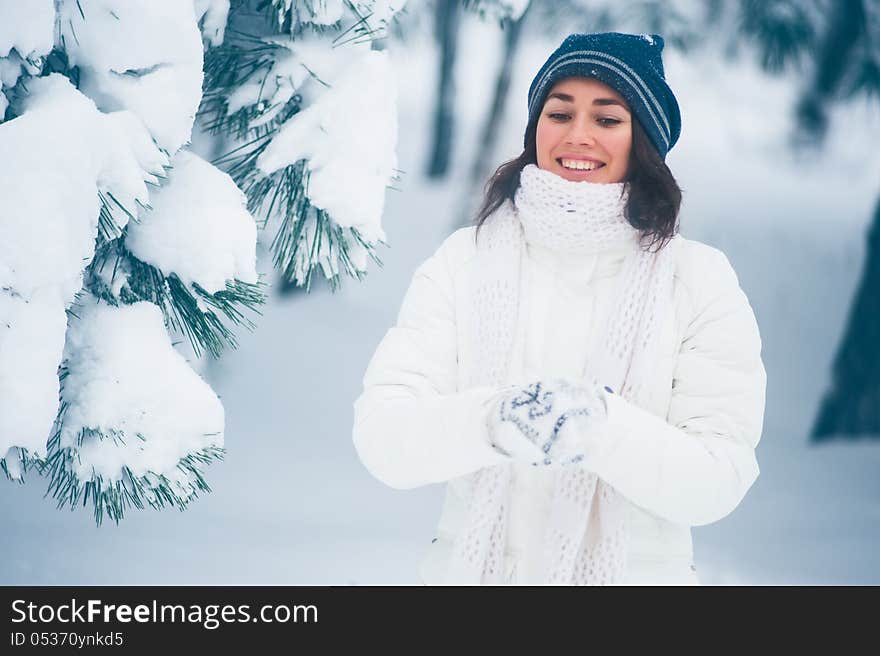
(26, 461)
(242, 59)
(108, 228)
(192, 311)
(114, 497)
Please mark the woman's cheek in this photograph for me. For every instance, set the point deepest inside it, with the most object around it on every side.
(622, 144)
(544, 142)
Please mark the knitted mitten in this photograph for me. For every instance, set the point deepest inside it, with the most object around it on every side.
(546, 423)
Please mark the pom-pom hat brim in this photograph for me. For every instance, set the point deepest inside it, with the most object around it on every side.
(631, 65)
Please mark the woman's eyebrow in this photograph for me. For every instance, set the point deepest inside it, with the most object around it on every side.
(609, 101)
(564, 97)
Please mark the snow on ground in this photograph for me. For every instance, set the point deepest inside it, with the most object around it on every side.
(293, 505)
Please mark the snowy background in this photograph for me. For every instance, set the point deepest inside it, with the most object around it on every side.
(291, 503)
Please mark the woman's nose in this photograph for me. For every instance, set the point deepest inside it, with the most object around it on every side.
(581, 133)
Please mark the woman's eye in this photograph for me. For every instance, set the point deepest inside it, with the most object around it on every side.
(605, 121)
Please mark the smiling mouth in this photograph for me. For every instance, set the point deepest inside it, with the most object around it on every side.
(582, 167)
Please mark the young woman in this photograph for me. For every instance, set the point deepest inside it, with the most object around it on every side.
(587, 381)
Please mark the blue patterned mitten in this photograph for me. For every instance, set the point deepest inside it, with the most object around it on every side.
(547, 423)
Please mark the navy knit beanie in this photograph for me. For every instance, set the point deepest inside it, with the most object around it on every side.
(628, 63)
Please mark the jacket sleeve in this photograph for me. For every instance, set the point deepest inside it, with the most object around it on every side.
(411, 425)
(695, 467)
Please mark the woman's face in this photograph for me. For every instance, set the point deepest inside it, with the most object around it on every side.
(585, 124)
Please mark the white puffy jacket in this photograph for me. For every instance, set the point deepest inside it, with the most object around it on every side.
(685, 459)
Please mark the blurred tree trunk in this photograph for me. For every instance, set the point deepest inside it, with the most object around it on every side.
(448, 19)
(847, 26)
(489, 133)
(852, 406)
(492, 123)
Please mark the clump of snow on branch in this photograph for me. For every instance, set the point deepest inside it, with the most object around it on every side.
(27, 27)
(198, 228)
(31, 343)
(59, 155)
(381, 11)
(305, 64)
(142, 55)
(211, 15)
(115, 150)
(318, 115)
(349, 137)
(132, 401)
(295, 61)
(514, 9)
(26, 35)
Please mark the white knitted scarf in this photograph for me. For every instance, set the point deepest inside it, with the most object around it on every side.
(585, 541)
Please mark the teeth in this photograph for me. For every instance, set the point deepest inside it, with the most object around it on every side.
(579, 165)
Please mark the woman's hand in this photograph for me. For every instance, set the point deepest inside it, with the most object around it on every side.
(546, 423)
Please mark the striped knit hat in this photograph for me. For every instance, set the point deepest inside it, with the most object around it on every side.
(628, 63)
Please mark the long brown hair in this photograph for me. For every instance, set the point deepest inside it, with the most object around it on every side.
(654, 195)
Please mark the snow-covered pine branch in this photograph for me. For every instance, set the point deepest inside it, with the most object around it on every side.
(99, 96)
(310, 109)
(136, 425)
(114, 235)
